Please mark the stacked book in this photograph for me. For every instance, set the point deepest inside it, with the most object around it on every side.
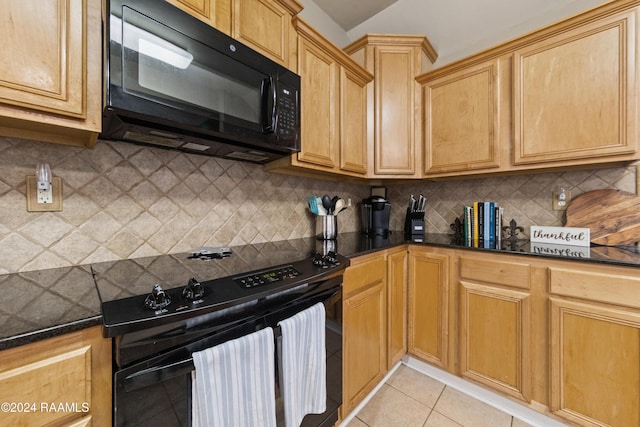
(483, 224)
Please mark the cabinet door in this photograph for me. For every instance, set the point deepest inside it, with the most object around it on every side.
(353, 122)
(72, 370)
(265, 26)
(51, 70)
(397, 303)
(575, 93)
(595, 363)
(461, 118)
(43, 56)
(395, 100)
(364, 335)
(319, 108)
(495, 323)
(494, 338)
(204, 10)
(429, 306)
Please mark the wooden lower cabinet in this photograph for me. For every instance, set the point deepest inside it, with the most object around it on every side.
(429, 306)
(397, 307)
(495, 321)
(494, 337)
(364, 345)
(562, 337)
(595, 345)
(62, 381)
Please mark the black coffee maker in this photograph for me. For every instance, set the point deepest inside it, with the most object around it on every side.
(376, 211)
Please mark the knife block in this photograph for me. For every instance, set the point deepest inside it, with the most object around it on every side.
(414, 224)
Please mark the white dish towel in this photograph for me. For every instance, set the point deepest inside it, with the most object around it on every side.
(304, 365)
(233, 384)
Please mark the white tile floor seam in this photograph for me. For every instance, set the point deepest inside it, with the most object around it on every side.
(409, 397)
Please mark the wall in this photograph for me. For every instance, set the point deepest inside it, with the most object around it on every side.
(123, 200)
(126, 201)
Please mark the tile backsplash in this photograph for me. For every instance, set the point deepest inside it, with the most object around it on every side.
(526, 198)
(127, 201)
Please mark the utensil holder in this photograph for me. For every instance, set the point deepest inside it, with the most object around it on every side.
(326, 227)
(414, 224)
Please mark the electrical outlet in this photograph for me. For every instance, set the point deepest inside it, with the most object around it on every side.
(55, 204)
(561, 200)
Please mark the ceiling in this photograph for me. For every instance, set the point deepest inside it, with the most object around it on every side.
(456, 28)
(349, 13)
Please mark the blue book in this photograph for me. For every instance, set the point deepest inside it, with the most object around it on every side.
(492, 221)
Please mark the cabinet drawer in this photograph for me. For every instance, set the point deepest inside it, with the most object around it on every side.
(618, 288)
(62, 383)
(513, 274)
(361, 276)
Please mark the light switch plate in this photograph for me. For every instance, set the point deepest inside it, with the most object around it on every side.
(32, 195)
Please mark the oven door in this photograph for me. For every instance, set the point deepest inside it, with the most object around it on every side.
(157, 390)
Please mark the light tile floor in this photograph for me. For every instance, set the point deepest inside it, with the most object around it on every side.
(410, 398)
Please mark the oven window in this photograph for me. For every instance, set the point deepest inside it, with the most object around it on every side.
(163, 65)
(166, 404)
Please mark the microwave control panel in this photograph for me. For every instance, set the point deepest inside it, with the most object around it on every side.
(287, 102)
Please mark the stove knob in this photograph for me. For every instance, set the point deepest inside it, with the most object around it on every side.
(331, 258)
(194, 290)
(157, 299)
(318, 260)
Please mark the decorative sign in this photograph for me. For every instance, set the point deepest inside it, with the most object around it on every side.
(567, 236)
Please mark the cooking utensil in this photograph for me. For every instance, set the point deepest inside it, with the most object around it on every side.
(313, 204)
(339, 206)
(321, 210)
(327, 204)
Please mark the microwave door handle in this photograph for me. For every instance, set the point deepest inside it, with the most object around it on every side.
(269, 116)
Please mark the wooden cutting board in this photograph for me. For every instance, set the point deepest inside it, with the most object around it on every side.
(612, 215)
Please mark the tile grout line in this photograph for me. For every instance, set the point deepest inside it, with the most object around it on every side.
(366, 400)
(535, 419)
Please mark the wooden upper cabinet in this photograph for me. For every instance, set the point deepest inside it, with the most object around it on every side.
(319, 109)
(575, 93)
(462, 120)
(204, 10)
(333, 99)
(394, 100)
(353, 121)
(265, 25)
(50, 70)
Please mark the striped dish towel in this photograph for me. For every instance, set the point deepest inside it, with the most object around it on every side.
(234, 383)
(304, 365)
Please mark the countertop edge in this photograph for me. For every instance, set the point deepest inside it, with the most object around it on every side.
(53, 331)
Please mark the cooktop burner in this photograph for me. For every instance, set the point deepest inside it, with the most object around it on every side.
(147, 292)
(207, 253)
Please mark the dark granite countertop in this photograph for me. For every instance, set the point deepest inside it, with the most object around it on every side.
(355, 244)
(45, 303)
(35, 305)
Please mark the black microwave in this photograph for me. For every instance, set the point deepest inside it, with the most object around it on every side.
(175, 82)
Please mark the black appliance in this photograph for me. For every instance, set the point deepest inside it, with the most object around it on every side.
(161, 309)
(376, 212)
(173, 81)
